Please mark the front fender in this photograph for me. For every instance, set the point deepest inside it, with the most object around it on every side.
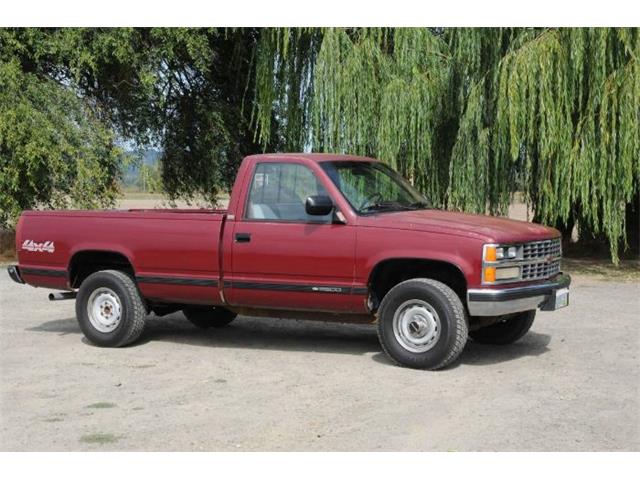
(462, 252)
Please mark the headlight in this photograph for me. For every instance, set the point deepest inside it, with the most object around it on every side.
(507, 273)
(496, 260)
(494, 253)
(506, 253)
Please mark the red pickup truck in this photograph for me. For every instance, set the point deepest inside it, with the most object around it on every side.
(310, 236)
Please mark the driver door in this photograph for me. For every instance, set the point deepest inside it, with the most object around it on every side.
(284, 258)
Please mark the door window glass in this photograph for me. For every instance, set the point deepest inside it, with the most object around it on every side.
(279, 192)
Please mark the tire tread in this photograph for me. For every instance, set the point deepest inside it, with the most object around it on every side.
(139, 313)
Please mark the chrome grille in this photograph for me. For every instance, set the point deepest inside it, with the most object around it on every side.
(535, 271)
(542, 249)
(545, 259)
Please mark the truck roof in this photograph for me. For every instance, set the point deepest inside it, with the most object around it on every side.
(315, 157)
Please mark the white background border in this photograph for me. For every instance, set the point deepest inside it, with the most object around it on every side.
(258, 13)
(399, 466)
(321, 466)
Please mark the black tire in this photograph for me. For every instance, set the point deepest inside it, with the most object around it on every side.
(207, 317)
(508, 330)
(448, 339)
(132, 308)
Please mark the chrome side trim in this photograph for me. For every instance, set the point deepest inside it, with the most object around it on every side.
(196, 282)
(501, 301)
(296, 287)
(44, 272)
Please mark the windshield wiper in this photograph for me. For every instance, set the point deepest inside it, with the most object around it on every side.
(380, 206)
(383, 207)
(393, 206)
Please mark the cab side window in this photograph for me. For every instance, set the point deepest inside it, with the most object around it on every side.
(279, 192)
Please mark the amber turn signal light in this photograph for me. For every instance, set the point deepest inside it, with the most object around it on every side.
(490, 254)
(490, 274)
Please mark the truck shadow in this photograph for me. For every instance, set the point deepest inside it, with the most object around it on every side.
(244, 332)
(266, 333)
(532, 344)
(63, 326)
(299, 335)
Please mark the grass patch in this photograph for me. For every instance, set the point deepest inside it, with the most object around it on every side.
(101, 405)
(99, 438)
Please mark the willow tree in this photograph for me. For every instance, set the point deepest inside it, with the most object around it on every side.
(180, 90)
(469, 115)
(53, 151)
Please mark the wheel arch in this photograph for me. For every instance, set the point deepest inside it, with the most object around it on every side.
(391, 271)
(87, 261)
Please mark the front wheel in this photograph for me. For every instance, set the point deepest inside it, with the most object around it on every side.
(206, 317)
(422, 324)
(109, 308)
(506, 330)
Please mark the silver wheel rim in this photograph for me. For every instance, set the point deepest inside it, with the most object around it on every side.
(416, 326)
(104, 310)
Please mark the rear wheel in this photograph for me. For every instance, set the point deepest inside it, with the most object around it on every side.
(206, 317)
(422, 324)
(109, 308)
(507, 330)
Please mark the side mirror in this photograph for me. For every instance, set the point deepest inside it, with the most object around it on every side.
(318, 205)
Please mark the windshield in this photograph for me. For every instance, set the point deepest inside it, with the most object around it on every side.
(372, 187)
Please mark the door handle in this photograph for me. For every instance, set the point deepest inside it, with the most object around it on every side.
(243, 237)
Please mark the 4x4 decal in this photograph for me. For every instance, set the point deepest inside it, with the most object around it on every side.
(32, 246)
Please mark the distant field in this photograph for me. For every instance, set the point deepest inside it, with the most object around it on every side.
(158, 200)
(142, 195)
(517, 210)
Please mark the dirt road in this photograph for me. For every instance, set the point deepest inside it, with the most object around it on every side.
(570, 384)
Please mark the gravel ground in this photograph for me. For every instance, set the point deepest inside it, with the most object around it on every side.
(571, 384)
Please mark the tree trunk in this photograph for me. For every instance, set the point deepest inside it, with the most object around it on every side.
(7, 245)
(633, 227)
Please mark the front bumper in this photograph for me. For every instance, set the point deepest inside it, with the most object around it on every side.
(485, 302)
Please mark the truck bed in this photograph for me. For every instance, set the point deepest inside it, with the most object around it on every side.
(174, 252)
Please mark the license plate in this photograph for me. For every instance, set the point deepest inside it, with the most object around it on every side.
(561, 298)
